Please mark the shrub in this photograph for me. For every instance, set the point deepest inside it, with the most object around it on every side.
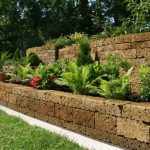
(110, 68)
(45, 73)
(32, 59)
(115, 88)
(49, 73)
(113, 63)
(62, 42)
(17, 55)
(50, 42)
(24, 75)
(144, 76)
(77, 36)
(84, 56)
(3, 57)
(76, 78)
(60, 66)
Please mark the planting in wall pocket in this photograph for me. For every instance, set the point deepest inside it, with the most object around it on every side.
(3, 58)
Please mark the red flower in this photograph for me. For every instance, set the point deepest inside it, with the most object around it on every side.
(35, 81)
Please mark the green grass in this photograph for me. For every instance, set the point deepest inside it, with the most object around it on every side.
(15, 134)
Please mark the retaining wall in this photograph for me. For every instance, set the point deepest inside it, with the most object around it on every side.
(45, 53)
(122, 123)
(132, 46)
(135, 47)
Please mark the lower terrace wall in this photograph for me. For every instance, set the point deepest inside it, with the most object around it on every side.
(122, 123)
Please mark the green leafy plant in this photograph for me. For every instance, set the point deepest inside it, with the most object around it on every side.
(59, 67)
(84, 56)
(17, 56)
(144, 76)
(50, 42)
(48, 73)
(113, 63)
(115, 88)
(110, 68)
(40, 70)
(25, 72)
(76, 78)
(62, 42)
(33, 59)
(44, 73)
(4, 56)
(140, 11)
(23, 75)
(77, 36)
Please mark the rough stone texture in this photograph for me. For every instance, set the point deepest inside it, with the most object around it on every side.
(122, 123)
(137, 111)
(63, 112)
(133, 129)
(46, 108)
(45, 53)
(83, 117)
(106, 123)
(68, 52)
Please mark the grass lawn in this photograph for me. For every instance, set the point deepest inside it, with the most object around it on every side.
(15, 134)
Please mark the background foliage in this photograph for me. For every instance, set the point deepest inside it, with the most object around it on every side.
(28, 23)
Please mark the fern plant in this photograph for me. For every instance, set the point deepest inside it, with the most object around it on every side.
(76, 78)
(23, 75)
(109, 69)
(3, 57)
(115, 88)
(40, 71)
(144, 76)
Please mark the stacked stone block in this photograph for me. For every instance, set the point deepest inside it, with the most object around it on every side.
(45, 53)
(122, 123)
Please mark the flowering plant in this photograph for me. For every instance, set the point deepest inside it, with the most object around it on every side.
(48, 81)
(35, 82)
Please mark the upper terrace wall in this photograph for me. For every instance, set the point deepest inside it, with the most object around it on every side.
(45, 53)
(135, 47)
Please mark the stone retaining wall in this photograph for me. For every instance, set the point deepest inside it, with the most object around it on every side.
(135, 47)
(122, 123)
(68, 52)
(45, 53)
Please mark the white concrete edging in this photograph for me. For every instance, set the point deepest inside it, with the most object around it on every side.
(83, 141)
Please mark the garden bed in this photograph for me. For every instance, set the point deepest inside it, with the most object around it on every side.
(122, 123)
